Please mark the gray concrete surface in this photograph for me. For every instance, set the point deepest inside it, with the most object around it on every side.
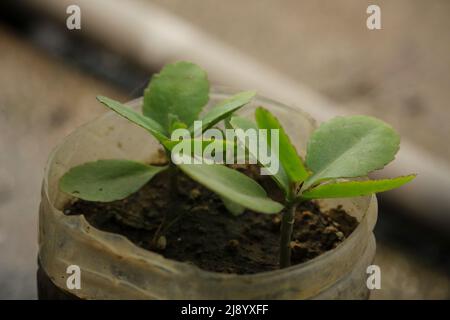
(400, 73)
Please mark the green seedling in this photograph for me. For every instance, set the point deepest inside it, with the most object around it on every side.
(173, 99)
(342, 148)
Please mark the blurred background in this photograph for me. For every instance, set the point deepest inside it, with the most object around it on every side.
(315, 55)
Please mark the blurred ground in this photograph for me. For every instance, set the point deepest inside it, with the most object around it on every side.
(400, 73)
(41, 101)
(404, 276)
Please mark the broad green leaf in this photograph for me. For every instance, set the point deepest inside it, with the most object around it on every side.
(107, 180)
(233, 185)
(225, 108)
(347, 147)
(289, 159)
(280, 177)
(355, 188)
(150, 125)
(232, 207)
(181, 88)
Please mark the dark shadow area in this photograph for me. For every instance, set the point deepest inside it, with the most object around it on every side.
(73, 48)
(416, 238)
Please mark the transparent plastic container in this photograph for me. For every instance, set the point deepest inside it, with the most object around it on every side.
(114, 268)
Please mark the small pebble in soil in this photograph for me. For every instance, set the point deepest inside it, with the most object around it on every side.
(276, 223)
(299, 251)
(307, 215)
(161, 243)
(194, 194)
(232, 245)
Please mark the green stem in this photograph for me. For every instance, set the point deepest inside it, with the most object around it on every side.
(287, 225)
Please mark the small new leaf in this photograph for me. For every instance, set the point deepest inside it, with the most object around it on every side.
(355, 188)
(107, 180)
(175, 123)
(200, 144)
(225, 108)
(181, 88)
(289, 159)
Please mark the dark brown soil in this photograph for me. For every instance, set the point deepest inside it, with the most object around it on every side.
(202, 232)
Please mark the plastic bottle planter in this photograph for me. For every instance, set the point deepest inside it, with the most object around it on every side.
(114, 268)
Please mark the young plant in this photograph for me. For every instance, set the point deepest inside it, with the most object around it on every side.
(342, 148)
(173, 99)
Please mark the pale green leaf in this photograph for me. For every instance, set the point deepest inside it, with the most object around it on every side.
(289, 159)
(107, 180)
(150, 125)
(181, 88)
(233, 185)
(355, 188)
(347, 147)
